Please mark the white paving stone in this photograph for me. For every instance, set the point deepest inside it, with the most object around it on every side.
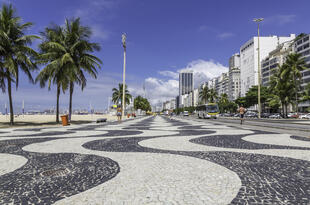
(277, 139)
(181, 143)
(10, 162)
(149, 177)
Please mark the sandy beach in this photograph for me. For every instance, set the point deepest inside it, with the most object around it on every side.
(49, 120)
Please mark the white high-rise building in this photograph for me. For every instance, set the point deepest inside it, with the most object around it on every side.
(275, 58)
(234, 77)
(173, 104)
(302, 46)
(186, 84)
(196, 97)
(249, 58)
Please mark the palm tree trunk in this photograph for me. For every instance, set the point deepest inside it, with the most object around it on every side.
(11, 102)
(57, 105)
(70, 100)
(283, 112)
(296, 95)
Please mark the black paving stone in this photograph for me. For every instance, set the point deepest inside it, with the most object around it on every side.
(265, 179)
(26, 185)
(236, 141)
(306, 139)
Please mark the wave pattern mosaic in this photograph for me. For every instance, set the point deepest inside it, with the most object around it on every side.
(153, 160)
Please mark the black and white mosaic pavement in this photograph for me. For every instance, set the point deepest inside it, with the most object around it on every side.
(46, 178)
(154, 160)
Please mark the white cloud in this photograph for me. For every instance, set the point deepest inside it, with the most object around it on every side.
(280, 19)
(99, 32)
(89, 11)
(225, 35)
(97, 91)
(207, 28)
(208, 69)
(161, 89)
(170, 74)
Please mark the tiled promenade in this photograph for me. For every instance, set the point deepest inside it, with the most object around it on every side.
(153, 160)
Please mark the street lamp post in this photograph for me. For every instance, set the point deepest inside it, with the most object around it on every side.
(124, 85)
(257, 20)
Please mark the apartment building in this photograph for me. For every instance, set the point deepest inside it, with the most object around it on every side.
(249, 58)
(234, 77)
(186, 85)
(275, 58)
(302, 46)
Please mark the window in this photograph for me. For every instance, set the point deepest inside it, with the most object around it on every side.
(299, 42)
(273, 66)
(306, 38)
(307, 80)
(307, 59)
(265, 70)
(307, 52)
(306, 73)
(265, 74)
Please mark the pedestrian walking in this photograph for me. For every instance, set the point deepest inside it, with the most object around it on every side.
(119, 113)
(171, 114)
(241, 111)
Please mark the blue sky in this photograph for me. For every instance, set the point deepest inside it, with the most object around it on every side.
(164, 36)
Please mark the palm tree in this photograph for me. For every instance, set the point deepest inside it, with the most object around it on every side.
(282, 87)
(51, 56)
(117, 95)
(223, 102)
(212, 95)
(306, 94)
(2, 79)
(294, 65)
(15, 53)
(204, 94)
(77, 55)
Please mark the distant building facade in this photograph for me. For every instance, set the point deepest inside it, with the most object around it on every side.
(234, 77)
(302, 46)
(186, 85)
(249, 58)
(275, 58)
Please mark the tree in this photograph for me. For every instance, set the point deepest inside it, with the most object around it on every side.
(223, 103)
(292, 69)
(55, 71)
(241, 101)
(232, 107)
(190, 109)
(117, 95)
(251, 97)
(274, 102)
(204, 94)
(178, 110)
(306, 94)
(282, 87)
(77, 55)
(212, 95)
(142, 103)
(15, 53)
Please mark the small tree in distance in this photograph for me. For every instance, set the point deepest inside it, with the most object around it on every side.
(142, 103)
